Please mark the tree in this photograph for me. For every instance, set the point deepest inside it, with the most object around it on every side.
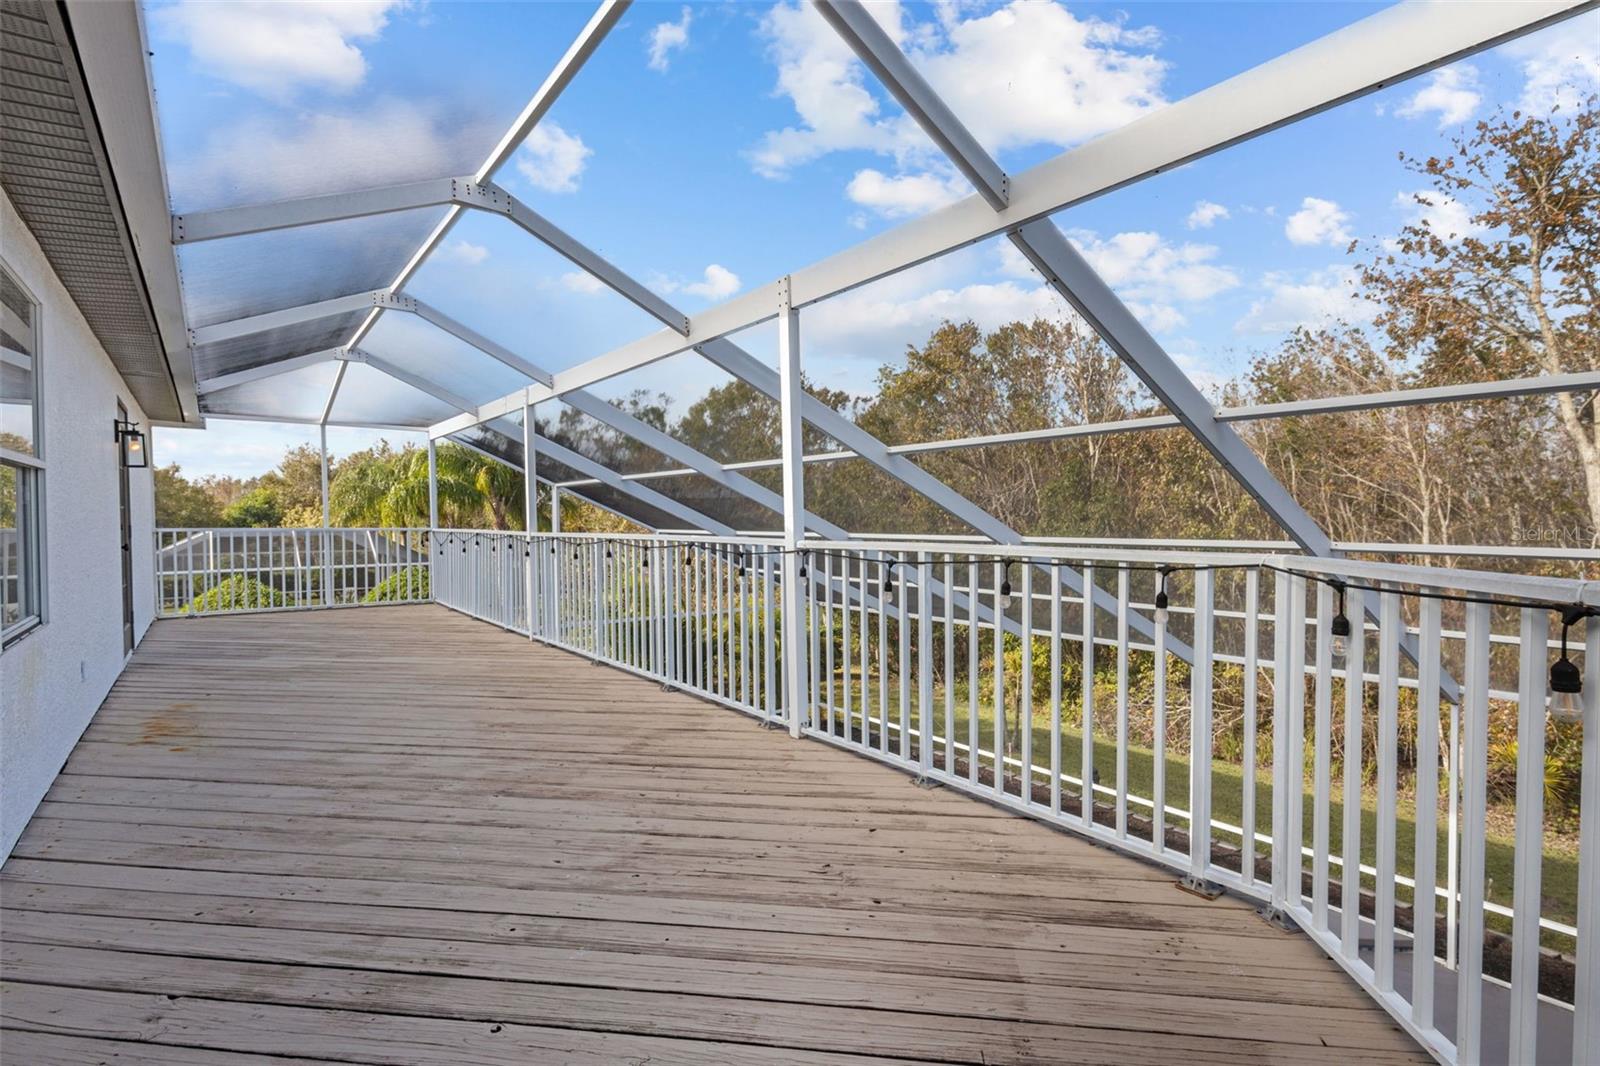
(1516, 293)
(384, 487)
(260, 507)
(181, 503)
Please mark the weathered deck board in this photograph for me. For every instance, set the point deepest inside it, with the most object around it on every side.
(400, 835)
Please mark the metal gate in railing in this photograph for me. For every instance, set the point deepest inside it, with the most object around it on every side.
(230, 570)
(980, 669)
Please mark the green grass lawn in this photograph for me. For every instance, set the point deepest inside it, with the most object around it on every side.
(1560, 878)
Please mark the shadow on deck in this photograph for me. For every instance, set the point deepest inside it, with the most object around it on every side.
(400, 835)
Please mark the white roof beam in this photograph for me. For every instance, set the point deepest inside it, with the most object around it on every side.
(265, 370)
(416, 381)
(894, 69)
(1070, 274)
(603, 475)
(304, 420)
(435, 317)
(483, 196)
(199, 226)
(605, 17)
(333, 397)
(612, 480)
(695, 461)
(293, 316)
(1394, 44)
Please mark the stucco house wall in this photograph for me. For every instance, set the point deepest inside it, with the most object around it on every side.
(53, 679)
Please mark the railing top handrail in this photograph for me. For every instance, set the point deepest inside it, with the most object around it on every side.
(1520, 587)
(676, 538)
(1045, 552)
(292, 529)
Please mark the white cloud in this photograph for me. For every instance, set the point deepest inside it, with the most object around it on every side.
(1028, 73)
(1154, 276)
(465, 252)
(277, 47)
(877, 325)
(1033, 73)
(1561, 66)
(668, 37)
(906, 194)
(718, 283)
(1205, 215)
(311, 153)
(581, 281)
(553, 159)
(1321, 298)
(1451, 93)
(1447, 217)
(1318, 222)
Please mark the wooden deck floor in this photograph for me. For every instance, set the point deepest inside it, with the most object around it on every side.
(398, 835)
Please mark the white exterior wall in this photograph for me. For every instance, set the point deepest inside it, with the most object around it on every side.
(53, 679)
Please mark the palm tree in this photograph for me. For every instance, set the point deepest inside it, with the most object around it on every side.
(382, 487)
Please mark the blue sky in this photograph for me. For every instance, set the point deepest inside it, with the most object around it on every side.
(708, 148)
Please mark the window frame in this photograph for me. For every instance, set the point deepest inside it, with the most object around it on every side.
(30, 472)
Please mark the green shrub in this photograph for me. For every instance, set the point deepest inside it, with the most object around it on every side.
(238, 593)
(408, 584)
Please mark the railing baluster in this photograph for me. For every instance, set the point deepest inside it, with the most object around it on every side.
(949, 665)
(1388, 743)
(1586, 996)
(1322, 743)
(1474, 770)
(1528, 852)
(924, 665)
(973, 732)
(1200, 731)
(903, 674)
(864, 637)
(1025, 690)
(1293, 779)
(883, 658)
(1086, 745)
(999, 684)
(1350, 841)
(1252, 638)
(1122, 702)
(1158, 776)
(1055, 689)
(1424, 866)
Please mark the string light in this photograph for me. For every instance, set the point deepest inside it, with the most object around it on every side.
(888, 582)
(1005, 588)
(1340, 627)
(1566, 683)
(803, 557)
(1162, 615)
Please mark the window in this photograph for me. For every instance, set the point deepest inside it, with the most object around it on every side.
(22, 465)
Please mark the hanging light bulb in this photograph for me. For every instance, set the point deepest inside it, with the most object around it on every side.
(888, 582)
(1566, 683)
(1005, 589)
(1162, 615)
(1339, 628)
(803, 556)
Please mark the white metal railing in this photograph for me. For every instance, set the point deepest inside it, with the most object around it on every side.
(230, 570)
(977, 668)
(694, 614)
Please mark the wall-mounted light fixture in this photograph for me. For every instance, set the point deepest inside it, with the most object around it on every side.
(131, 442)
